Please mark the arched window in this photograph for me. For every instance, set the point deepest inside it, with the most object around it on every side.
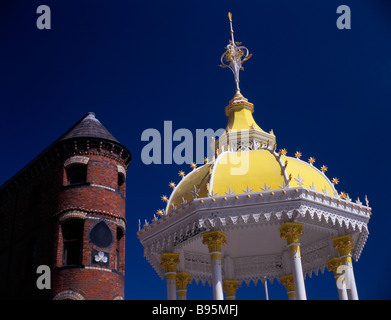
(72, 231)
(121, 179)
(121, 176)
(76, 169)
(76, 173)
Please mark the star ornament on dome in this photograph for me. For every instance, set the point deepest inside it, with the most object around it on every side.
(323, 168)
(193, 165)
(300, 181)
(164, 198)
(212, 194)
(282, 152)
(181, 173)
(342, 195)
(311, 160)
(248, 190)
(160, 212)
(266, 188)
(298, 154)
(171, 185)
(195, 192)
(230, 192)
(284, 186)
(335, 181)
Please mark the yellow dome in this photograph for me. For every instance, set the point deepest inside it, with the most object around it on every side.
(245, 172)
(250, 164)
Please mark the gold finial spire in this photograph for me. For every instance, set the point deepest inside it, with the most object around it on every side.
(234, 56)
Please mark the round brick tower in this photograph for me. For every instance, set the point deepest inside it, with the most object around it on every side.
(89, 257)
(65, 211)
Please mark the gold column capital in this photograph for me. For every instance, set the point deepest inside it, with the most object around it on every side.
(230, 287)
(289, 285)
(343, 244)
(291, 231)
(333, 264)
(182, 280)
(169, 261)
(214, 240)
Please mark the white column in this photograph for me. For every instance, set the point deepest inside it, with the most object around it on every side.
(169, 262)
(217, 279)
(171, 285)
(333, 265)
(297, 271)
(291, 232)
(264, 281)
(344, 245)
(352, 291)
(214, 240)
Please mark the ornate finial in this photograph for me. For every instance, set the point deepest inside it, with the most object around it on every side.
(234, 56)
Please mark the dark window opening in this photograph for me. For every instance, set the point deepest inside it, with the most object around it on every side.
(72, 231)
(121, 179)
(77, 173)
(118, 248)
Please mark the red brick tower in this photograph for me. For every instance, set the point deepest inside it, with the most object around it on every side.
(66, 210)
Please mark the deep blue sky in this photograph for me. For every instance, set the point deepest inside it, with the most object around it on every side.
(324, 91)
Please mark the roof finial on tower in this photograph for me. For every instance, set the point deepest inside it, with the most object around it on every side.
(234, 55)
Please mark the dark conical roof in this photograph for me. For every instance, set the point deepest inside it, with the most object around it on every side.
(88, 127)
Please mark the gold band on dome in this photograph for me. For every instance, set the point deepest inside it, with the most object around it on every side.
(238, 101)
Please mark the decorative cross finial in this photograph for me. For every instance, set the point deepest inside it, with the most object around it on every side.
(234, 56)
